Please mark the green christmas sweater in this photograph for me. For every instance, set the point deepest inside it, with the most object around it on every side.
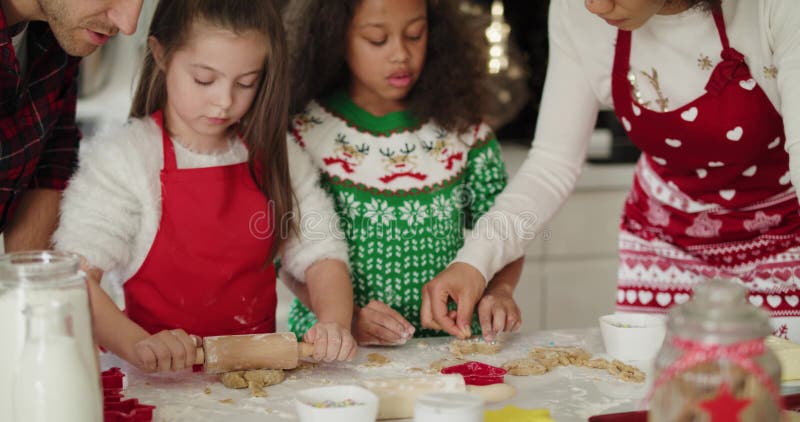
(405, 192)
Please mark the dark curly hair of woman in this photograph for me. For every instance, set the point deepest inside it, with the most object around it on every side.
(450, 89)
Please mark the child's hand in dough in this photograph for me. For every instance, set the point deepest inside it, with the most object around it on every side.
(331, 342)
(379, 324)
(168, 350)
(498, 312)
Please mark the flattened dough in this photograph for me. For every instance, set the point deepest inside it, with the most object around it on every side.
(256, 380)
(376, 360)
(473, 346)
(523, 367)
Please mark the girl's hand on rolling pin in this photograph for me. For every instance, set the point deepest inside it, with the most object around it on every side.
(168, 350)
(379, 324)
(331, 342)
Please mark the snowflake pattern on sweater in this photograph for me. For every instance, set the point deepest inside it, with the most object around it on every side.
(405, 193)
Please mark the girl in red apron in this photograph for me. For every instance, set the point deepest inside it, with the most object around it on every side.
(212, 87)
(711, 195)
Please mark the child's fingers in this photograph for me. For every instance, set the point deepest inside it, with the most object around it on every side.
(379, 332)
(146, 357)
(381, 325)
(485, 319)
(387, 317)
(163, 356)
(334, 340)
(426, 310)
(499, 320)
(407, 327)
(320, 345)
(185, 358)
(346, 349)
(513, 320)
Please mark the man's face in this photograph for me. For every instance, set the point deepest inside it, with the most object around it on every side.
(80, 26)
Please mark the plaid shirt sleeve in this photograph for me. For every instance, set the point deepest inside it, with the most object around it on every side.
(59, 157)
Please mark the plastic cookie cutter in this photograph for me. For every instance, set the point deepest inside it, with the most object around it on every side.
(115, 409)
(112, 378)
(127, 411)
(477, 373)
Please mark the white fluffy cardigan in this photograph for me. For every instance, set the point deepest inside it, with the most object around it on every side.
(111, 210)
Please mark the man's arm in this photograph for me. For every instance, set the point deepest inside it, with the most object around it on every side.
(36, 216)
(34, 221)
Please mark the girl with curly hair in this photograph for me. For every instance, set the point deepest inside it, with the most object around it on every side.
(709, 90)
(388, 100)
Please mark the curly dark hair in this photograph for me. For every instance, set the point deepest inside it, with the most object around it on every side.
(450, 89)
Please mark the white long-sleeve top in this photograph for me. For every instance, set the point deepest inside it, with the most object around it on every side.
(681, 50)
(111, 210)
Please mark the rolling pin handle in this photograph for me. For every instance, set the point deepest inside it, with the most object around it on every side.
(200, 356)
(305, 350)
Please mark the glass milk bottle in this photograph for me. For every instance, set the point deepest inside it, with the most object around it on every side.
(51, 381)
(714, 365)
(34, 278)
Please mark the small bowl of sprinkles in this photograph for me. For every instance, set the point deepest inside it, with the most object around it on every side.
(338, 403)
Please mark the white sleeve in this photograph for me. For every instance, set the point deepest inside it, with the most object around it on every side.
(784, 26)
(567, 116)
(320, 236)
(100, 211)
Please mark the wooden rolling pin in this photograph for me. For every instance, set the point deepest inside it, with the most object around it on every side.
(251, 351)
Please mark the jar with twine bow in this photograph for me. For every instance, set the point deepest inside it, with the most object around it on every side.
(714, 366)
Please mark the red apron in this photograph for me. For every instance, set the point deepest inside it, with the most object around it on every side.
(711, 195)
(206, 271)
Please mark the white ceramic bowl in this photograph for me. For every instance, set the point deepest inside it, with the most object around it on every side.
(366, 409)
(633, 337)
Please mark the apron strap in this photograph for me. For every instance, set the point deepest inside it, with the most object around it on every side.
(170, 163)
(723, 34)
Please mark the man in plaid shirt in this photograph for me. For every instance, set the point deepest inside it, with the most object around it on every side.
(41, 42)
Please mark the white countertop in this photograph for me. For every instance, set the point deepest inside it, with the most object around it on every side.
(570, 393)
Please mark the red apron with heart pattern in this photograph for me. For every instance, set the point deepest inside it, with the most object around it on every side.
(711, 195)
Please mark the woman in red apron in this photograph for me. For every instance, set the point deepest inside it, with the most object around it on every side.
(712, 195)
(211, 74)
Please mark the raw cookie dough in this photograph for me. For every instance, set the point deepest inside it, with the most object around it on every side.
(493, 393)
(523, 367)
(625, 372)
(256, 380)
(473, 346)
(543, 359)
(375, 360)
(436, 366)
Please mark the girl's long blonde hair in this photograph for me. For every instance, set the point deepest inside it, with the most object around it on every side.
(263, 127)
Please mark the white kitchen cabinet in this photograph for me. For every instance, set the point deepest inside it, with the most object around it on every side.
(575, 292)
(570, 270)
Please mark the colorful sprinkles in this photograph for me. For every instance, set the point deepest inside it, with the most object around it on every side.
(334, 404)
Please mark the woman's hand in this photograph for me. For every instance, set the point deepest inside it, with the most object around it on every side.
(379, 324)
(465, 285)
(331, 342)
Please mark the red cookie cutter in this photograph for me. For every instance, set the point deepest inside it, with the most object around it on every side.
(115, 409)
(128, 411)
(477, 373)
